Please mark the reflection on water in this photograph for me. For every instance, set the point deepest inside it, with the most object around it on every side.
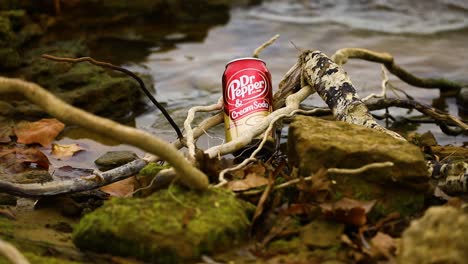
(393, 16)
(191, 73)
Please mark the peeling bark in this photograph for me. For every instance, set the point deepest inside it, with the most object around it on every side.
(334, 86)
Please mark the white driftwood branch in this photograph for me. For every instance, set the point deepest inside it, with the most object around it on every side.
(292, 103)
(190, 137)
(188, 174)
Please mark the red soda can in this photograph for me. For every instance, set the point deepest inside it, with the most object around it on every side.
(247, 94)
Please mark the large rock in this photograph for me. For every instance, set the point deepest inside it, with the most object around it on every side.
(438, 237)
(171, 226)
(315, 143)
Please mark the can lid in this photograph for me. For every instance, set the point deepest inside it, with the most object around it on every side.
(245, 58)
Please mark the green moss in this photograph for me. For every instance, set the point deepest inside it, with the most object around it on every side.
(6, 226)
(152, 169)
(168, 226)
(285, 246)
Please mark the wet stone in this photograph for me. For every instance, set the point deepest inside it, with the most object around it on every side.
(114, 159)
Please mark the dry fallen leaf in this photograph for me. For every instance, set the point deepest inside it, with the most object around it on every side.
(16, 160)
(43, 131)
(348, 211)
(123, 188)
(65, 151)
(252, 180)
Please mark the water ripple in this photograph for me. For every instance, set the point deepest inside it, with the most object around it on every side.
(390, 16)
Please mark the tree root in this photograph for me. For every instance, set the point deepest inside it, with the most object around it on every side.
(366, 167)
(341, 57)
(439, 116)
(189, 175)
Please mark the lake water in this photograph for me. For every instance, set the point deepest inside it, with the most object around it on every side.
(428, 38)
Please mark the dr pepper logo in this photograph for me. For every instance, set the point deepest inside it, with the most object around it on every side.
(244, 86)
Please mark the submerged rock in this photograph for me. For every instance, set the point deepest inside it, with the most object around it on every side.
(438, 237)
(315, 143)
(114, 159)
(171, 226)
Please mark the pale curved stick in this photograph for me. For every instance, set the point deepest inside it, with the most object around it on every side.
(11, 253)
(189, 134)
(292, 103)
(188, 174)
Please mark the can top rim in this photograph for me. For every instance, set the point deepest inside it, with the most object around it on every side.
(244, 58)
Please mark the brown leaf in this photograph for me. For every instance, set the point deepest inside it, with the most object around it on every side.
(123, 188)
(15, 160)
(65, 151)
(43, 131)
(252, 180)
(383, 245)
(348, 211)
(68, 172)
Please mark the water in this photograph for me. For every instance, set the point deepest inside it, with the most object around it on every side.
(428, 38)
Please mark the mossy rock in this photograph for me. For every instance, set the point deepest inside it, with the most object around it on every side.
(170, 226)
(314, 143)
(89, 87)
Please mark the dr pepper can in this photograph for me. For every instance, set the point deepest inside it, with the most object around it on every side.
(247, 95)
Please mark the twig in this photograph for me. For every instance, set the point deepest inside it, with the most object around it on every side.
(251, 158)
(188, 128)
(383, 85)
(257, 51)
(424, 109)
(11, 253)
(123, 70)
(362, 169)
(330, 170)
(189, 175)
(341, 57)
